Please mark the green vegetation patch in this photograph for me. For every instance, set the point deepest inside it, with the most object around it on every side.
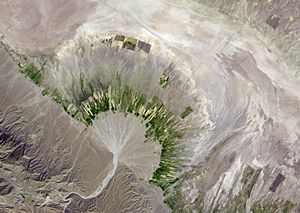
(273, 207)
(186, 112)
(264, 208)
(94, 98)
(161, 123)
(36, 75)
(238, 204)
(130, 42)
(32, 72)
(288, 206)
(55, 94)
(164, 81)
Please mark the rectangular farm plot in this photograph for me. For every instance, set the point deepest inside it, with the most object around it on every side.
(130, 43)
(144, 46)
(276, 182)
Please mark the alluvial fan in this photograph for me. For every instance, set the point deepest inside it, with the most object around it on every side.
(150, 106)
(130, 88)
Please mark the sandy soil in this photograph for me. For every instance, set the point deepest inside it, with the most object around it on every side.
(38, 27)
(124, 193)
(250, 93)
(125, 138)
(44, 152)
(251, 98)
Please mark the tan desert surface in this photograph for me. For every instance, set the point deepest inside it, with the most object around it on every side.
(150, 106)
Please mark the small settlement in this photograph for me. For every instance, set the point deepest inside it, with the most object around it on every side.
(123, 42)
